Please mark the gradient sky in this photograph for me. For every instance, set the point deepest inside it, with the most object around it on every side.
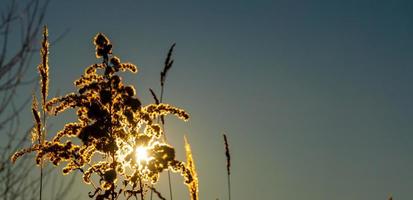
(315, 96)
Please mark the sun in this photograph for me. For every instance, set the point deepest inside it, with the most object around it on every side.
(142, 154)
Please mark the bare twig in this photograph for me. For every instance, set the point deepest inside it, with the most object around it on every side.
(157, 193)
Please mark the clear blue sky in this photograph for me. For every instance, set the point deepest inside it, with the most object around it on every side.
(315, 96)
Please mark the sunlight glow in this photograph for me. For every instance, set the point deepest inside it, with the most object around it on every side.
(142, 154)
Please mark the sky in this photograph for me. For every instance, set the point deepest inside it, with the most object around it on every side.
(316, 97)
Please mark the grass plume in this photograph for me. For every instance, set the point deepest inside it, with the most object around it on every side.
(228, 156)
(168, 64)
(43, 67)
(190, 164)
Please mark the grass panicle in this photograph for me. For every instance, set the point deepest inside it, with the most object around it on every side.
(168, 64)
(43, 67)
(190, 164)
(228, 157)
(37, 130)
(227, 154)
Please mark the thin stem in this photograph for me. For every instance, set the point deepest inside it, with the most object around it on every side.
(170, 184)
(161, 97)
(169, 172)
(41, 179)
(7, 183)
(168, 65)
(105, 61)
(151, 192)
(164, 135)
(43, 136)
(141, 188)
(229, 187)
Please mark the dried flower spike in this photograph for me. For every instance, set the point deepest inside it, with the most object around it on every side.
(168, 64)
(193, 186)
(228, 156)
(43, 68)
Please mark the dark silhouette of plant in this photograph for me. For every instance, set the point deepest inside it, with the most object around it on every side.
(116, 142)
(167, 66)
(228, 159)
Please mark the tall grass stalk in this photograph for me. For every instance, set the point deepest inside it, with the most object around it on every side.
(43, 69)
(167, 66)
